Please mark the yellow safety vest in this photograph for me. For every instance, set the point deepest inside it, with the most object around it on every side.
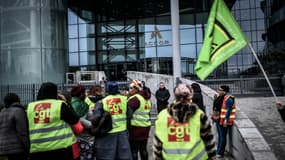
(180, 141)
(47, 131)
(116, 105)
(141, 116)
(89, 102)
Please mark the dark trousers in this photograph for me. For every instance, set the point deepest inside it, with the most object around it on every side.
(141, 147)
(222, 138)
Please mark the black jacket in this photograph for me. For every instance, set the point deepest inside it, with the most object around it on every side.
(14, 130)
(162, 95)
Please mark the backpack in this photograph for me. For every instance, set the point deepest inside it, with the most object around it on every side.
(102, 125)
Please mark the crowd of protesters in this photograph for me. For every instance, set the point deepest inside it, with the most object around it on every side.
(111, 124)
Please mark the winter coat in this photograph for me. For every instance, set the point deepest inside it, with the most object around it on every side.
(138, 133)
(162, 95)
(14, 132)
(79, 106)
(111, 145)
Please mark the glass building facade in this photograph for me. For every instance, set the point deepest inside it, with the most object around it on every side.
(145, 44)
(41, 40)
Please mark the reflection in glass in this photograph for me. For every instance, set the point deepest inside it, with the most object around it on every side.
(164, 51)
(187, 36)
(188, 51)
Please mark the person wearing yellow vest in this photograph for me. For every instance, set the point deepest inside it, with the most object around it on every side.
(52, 126)
(182, 130)
(140, 106)
(115, 143)
(96, 93)
(225, 105)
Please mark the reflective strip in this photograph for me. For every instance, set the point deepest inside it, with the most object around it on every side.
(141, 113)
(119, 119)
(231, 115)
(181, 151)
(177, 151)
(140, 119)
(42, 140)
(225, 110)
(42, 130)
(200, 155)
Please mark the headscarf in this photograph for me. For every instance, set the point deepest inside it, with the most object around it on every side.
(136, 84)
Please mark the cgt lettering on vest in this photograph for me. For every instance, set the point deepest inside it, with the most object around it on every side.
(177, 132)
(42, 113)
(114, 106)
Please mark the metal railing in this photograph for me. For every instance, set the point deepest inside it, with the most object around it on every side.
(239, 87)
(28, 92)
(248, 86)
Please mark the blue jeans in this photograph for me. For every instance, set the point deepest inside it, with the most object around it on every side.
(222, 138)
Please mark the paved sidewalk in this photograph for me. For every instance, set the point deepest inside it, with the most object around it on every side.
(263, 113)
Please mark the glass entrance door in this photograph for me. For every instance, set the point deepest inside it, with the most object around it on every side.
(115, 72)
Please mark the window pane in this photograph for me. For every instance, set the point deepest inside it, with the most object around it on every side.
(73, 45)
(72, 31)
(82, 30)
(117, 56)
(188, 51)
(83, 44)
(102, 57)
(91, 58)
(87, 44)
(72, 18)
(187, 36)
(150, 52)
(165, 51)
(199, 34)
(83, 58)
(73, 59)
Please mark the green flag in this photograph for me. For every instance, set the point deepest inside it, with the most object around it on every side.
(223, 38)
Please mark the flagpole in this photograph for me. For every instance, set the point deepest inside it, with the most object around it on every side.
(266, 77)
